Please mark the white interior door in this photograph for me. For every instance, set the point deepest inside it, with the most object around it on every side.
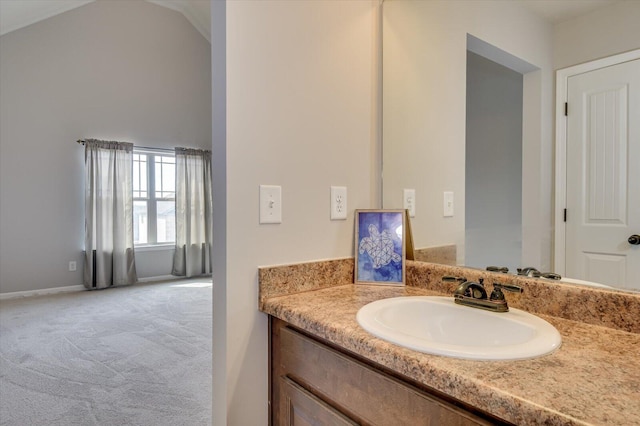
(603, 175)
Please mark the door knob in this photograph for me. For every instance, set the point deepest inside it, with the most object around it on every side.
(634, 240)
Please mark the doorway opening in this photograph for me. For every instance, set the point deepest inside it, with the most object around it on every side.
(494, 153)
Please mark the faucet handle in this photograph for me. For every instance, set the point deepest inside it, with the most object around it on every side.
(497, 293)
(509, 287)
(551, 276)
(448, 278)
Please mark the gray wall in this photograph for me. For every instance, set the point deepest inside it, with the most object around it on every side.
(130, 71)
(493, 217)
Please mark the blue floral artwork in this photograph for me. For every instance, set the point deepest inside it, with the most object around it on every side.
(380, 247)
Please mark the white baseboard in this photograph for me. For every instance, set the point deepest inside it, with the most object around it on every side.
(158, 278)
(72, 288)
(41, 292)
(170, 278)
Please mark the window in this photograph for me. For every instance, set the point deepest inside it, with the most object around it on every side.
(154, 197)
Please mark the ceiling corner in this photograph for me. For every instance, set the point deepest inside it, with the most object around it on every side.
(196, 11)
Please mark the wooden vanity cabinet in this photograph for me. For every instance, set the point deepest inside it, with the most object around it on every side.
(314, 383)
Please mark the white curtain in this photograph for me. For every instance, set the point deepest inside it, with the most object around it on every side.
(109, 255)
(193, 213)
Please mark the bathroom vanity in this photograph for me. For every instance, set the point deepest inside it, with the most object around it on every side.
(325, 369)
(315, 382)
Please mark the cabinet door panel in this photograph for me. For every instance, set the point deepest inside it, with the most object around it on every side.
(301, 408)
(366, 395)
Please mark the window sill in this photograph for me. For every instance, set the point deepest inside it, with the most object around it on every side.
(155, 247)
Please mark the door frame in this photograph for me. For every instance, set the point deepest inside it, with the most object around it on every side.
(562, 86)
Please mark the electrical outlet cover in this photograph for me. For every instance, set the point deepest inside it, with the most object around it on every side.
(409, 201)
(448, 204)
(338, 202)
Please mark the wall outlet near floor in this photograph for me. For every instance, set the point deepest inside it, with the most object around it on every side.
(338, 202)
(72, 266)
(409, 201)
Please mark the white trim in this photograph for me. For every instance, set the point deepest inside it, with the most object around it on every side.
(171, 278)
(41, 292)
(160, 278)
(562, 84)
(72, 288)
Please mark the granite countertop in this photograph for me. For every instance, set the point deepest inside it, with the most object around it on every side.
(592, 379)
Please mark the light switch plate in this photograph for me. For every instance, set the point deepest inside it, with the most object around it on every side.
(448, 204)
(338, 202)
(409, 201)
(270, 204)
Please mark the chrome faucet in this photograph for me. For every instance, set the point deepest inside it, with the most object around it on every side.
(475, 295)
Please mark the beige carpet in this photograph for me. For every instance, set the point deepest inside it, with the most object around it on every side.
(138, 355)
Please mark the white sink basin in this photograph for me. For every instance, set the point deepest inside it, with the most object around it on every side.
(583, 282)
(436, 325)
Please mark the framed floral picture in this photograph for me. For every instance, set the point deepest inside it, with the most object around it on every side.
(380, 247)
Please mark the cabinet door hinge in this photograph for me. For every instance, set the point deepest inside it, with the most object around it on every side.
(566, 109)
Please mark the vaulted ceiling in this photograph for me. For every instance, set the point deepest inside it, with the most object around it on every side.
(15, 14)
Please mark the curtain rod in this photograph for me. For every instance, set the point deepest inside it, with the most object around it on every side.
(82, 142)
